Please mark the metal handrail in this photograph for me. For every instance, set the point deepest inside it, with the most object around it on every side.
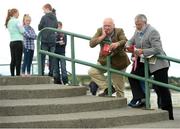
(108, 68)
(32, 66)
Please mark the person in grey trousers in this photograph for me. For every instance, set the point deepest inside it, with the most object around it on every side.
(147, 43)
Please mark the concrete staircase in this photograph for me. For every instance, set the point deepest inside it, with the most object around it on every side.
(34, 102)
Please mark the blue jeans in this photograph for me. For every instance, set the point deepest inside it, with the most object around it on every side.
(60, 66)
(50, 47)
(28, 57)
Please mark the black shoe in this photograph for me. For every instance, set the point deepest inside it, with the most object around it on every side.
(93, 87)
(65, 81)
(57, 81)
(103, 94)
(171, 118)
(140, 103)
(170, 111)
(50, 74)
(132, 102)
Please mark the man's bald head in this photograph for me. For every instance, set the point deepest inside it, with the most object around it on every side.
(108, 25)
(108, 20)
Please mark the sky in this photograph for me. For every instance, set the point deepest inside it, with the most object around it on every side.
(85, 16)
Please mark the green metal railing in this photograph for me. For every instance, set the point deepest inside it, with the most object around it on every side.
(108, 68)
(32, 67)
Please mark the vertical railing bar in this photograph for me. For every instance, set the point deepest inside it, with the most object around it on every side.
(39, 61)
(109, 76)
(147, 88)
(74, 82)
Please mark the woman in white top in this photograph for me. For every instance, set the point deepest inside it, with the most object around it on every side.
(16, 31)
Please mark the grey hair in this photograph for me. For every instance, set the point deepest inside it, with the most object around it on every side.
(141, 17)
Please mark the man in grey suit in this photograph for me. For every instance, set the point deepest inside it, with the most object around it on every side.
(146, 42)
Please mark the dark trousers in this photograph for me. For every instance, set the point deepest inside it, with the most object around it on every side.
(136, 88)
(163, 94)
(59, 71)
(51, 48)
(16, 48)
(28, 57)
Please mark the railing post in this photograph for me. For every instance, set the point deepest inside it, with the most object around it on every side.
(39, 61)
(74, 81)
(109, 76)
(147, 88)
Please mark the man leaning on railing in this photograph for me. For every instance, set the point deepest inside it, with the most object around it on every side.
(111, 41)
(146, 43)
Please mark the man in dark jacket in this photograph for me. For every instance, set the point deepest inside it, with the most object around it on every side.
(48, 39)
(59, 71)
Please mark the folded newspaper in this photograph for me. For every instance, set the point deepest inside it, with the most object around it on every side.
(151, 59)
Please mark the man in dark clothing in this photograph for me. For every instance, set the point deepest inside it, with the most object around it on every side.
(60, 64)
(48, 39)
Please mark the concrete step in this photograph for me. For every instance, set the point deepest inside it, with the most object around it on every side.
(18, 80)
(59, 105)
(40, 91)
(94, 119)
(172, 124)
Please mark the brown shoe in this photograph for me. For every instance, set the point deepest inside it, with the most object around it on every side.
(103, 94)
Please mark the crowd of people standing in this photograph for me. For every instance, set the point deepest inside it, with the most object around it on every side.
(22, 37)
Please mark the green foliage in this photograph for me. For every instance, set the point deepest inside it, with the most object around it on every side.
(174, 81)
